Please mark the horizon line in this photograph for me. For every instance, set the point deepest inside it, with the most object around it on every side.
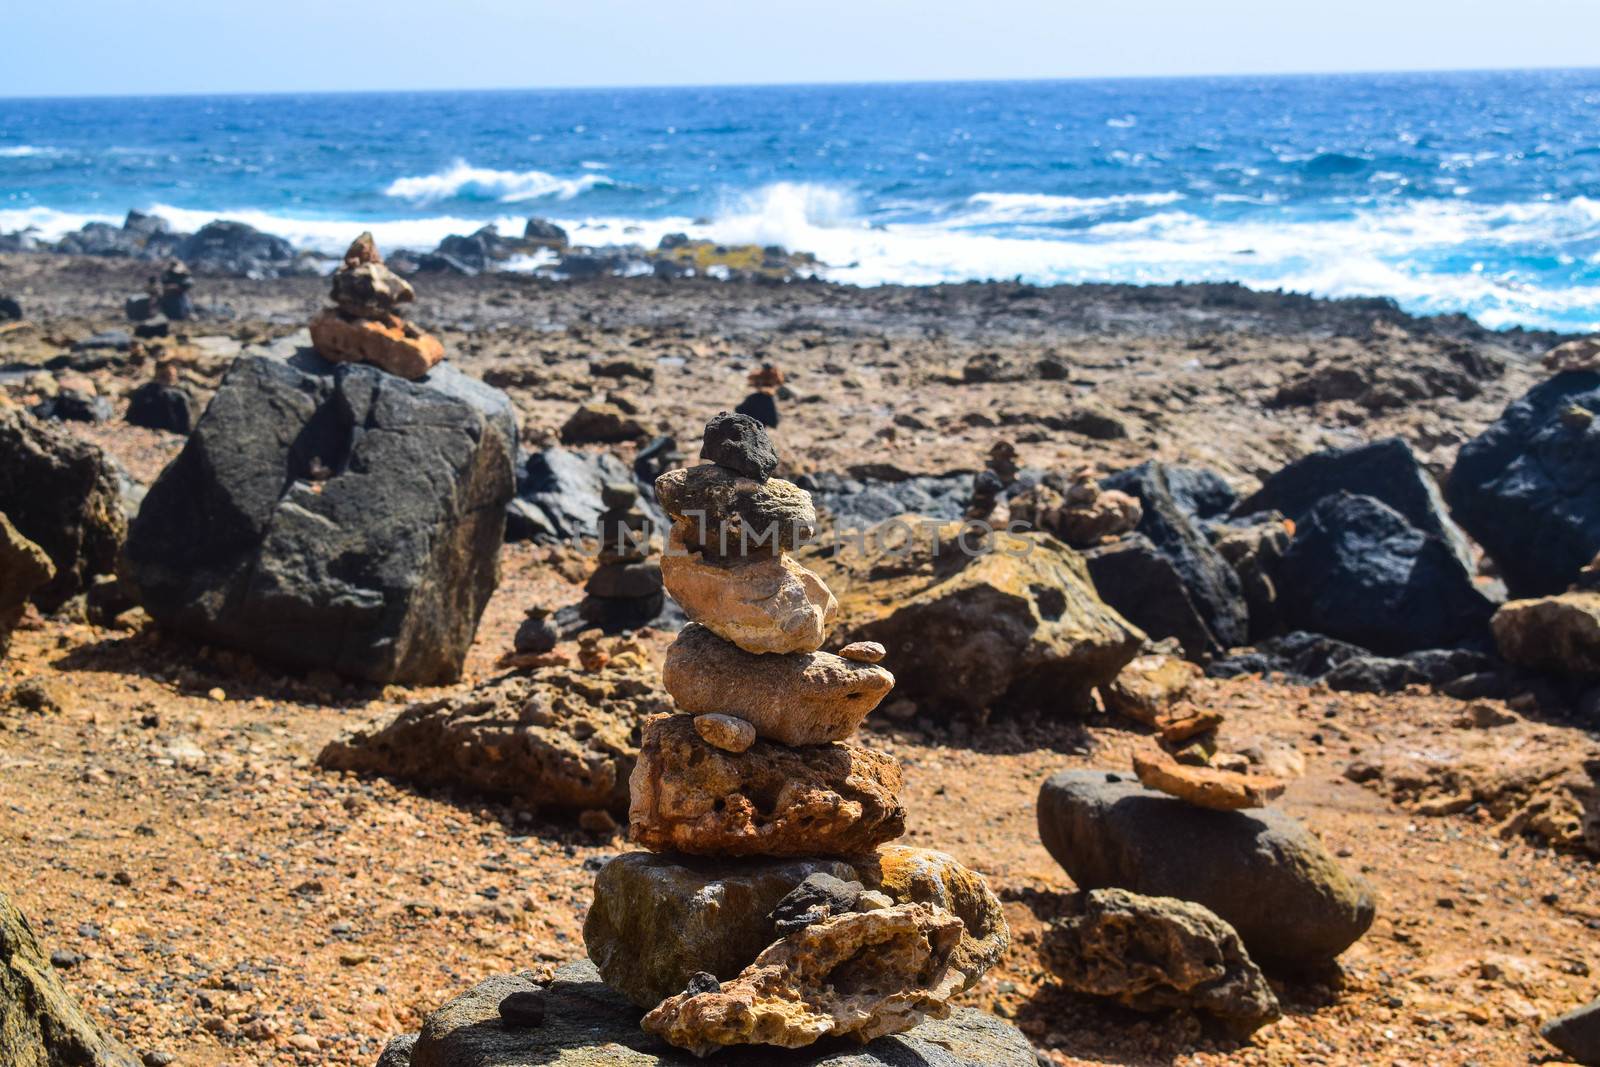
(865, 83)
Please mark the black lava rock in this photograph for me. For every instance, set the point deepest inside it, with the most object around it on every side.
(819, 897)
(523, 1009)
(69, 405)
(763, 407)
(1358, 571)
(1146, 589)
(739, 443)
(1526, 487)
(157, 406)
(332, 516)
(1299, 656)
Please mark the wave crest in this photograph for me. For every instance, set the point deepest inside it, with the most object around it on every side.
(464, 181)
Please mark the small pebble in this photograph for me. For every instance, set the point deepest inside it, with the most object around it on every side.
(872, 900)
(727, 732)
(523, 1009)
(864, 651)
(703, 982)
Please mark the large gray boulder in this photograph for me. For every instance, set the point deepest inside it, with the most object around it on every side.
(588, 1024)
(335, 517)
(63, 494)
(1260, 871)
(40, 1023)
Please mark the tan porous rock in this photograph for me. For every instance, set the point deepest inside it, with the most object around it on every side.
(864, 652)
(1205, 787)
(863, 974)
(656, 921)
(390, 342)
(727, 732)
(800, 699)
(1580, 355)
(726, 513)
(765, 603)
(911, 875)
(1146, 689)
(1553, 633)
(773, 800)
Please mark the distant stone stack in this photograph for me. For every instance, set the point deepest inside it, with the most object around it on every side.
(762, 404)
(624, 592)
(166, 299)
(364, 325)
(770, 909)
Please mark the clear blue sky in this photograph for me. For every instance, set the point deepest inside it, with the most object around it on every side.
(65, 47)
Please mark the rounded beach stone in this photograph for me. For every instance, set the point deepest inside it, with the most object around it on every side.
(864, 652)
(820, 800)
(799, 699)
(762, 604)
(1259, 871)
(727, 732)
(656, 921)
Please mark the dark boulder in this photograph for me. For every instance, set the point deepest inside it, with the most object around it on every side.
(480, 250)
(1358, 571)
(558, 495)
(1146, 589)
(1260, 871)
(140, 235)
(1577, 1034)
(10, 309)
(545, 233)
(1299, 656)
(333, 516)
(1526, 487)
(1385, 470)
(237, 249)
(1213, 586)
(69, 405)
(763, 407)
(158, 406)
(64, 495)
(1201, 493)
(859, 502)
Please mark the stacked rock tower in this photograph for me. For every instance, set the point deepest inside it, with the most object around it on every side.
(771, 908)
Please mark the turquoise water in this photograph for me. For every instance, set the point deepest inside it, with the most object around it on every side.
(1448, 192)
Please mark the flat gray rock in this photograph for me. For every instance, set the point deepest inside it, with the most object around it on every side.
(587, 1025)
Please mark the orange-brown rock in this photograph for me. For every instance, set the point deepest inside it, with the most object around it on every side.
(1149, 686)
(764, 603)
(1205, 787)
(687, 795)
(911, 875)
(862, 974)
(1178, 731)
(389, 342)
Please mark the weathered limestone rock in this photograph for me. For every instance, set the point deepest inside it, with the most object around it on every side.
(971, 623)
(559, 738)
(1205, 787)
(925, 876)
(656, 921)
(590, 1025)
(1261, 871)
(773, 800)
(764, 603)
(40, 1024)
(1147, 688)
(799, 699)
(333, 516)
(727, 514)
(1555, 633)
(24, 569)
(1153, 953)
(63, 494)
(727, 732)
(864, 974)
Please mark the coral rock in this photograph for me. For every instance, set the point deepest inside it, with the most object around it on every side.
(800, 699)
(865, 974)
(389, 342)
(762, 604)
(658, 920)
(773, 800)
(1151, 953)
(910, 875)
(1205, 787)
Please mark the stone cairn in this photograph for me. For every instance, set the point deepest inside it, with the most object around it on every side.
(624, 592)
(762, 404)
(771, 908)
(364, 325)
(166, 299)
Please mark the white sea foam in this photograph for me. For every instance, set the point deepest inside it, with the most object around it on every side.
(462, 179)
(23, 151)
(998, 208)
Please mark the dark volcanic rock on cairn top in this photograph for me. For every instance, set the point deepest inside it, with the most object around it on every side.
(1356, 570)
(333, 516)
(741, 444)
(1526, 487)
(588, 1024)
(1260, 871)
(560, 738)
(40, 1023)
(63, 494)
(973, 622)
(1213, 586)
(1385, 470)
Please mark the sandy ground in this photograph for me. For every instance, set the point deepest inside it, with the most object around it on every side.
(233, 904)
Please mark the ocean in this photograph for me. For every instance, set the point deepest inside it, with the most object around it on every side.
(1470, 192)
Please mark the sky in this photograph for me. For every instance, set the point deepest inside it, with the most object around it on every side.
(137, 47)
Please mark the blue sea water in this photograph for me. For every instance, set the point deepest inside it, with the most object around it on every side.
(1475, 192)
